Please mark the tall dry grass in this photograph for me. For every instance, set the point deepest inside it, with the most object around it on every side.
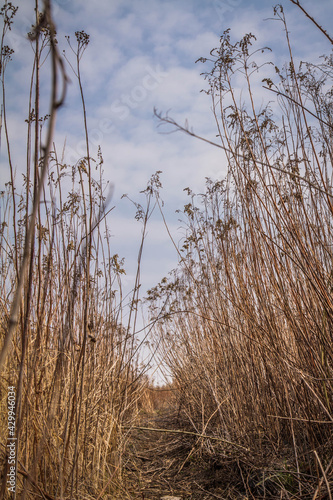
(72, 353)
(247, 332)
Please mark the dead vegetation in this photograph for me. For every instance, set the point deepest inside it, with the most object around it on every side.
(244, 324)
(247, 329)
(68, 344)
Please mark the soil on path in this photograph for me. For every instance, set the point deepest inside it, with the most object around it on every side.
(176, 464)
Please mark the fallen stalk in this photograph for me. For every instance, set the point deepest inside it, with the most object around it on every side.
(189, 433)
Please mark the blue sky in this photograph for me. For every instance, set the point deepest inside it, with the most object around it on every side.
(142, 55)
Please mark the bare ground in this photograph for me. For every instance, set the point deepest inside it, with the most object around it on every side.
(162, 463)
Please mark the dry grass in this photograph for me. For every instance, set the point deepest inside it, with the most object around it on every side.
(248, 314)
(247, 333)
(68, 341)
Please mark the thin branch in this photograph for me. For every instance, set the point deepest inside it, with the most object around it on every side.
(324, 472)
(297, 3)
(189, 433)
(171, 121)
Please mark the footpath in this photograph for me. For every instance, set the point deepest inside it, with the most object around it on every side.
(169, 463)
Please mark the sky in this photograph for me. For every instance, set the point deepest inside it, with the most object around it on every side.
(142, 56)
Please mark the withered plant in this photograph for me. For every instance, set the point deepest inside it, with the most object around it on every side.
(247, 330)
(64, 344)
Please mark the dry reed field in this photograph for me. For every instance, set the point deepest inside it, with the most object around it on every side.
(247, 328)
(244, 324)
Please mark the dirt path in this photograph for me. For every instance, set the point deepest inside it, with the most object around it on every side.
(160, 463)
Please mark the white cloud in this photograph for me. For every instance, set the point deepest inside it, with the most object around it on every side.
(142, 54)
